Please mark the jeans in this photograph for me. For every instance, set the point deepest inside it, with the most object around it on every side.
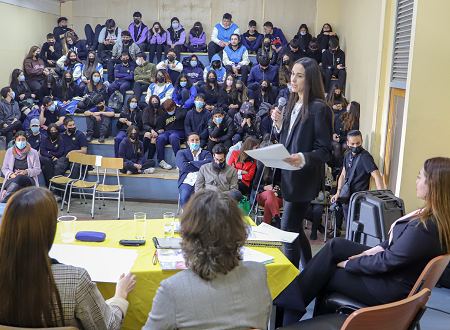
(185, 191)
(173, 137)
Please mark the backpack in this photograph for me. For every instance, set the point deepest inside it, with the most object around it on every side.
(34, 113)
(116, 102)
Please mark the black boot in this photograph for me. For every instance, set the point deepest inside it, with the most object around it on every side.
(276, 222)
(12, 188)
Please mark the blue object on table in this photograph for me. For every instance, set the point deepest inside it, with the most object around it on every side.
(90, 236)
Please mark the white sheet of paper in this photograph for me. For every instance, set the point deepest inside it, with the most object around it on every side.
(103, 264)
(250, 254)
(272, 156)
(258, 235)
(275, 233)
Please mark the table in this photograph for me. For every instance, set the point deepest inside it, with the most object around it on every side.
(148, 276)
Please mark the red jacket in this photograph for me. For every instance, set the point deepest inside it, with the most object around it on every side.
(250, 167)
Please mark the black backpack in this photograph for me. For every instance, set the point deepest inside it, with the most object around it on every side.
(116, 102)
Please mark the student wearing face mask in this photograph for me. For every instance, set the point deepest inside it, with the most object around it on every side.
(130, 116)
(189, 161)
(235, 58)
(194, 71)
(124, 45)
(51, 51)
(23, 95)
(324, 37)
(276, 36)
(52, 148)
(144, 75)
(69, 91)
(72, 64)
(34, 69)
(337, 101)
(214, 95)
(173, 131)
(131, 150)
(246, 123)
(70, 42)
(157, 39)
(304, 35)
(264, 93)
(197, 120)
(263, 71)
(51, 113)
(184, 92)
(293, 50)
(108, 37)
(139, 31)
(220, 36)
(197, 39)
(162, 87)
(98, 120)
(252, 39)
(49, 88)
(333, 62)
(89, 68)
(171, 65)
(244, 164)
(95, 86)
(175, 37)
(216, 65)
(124, 76)
(152, 122)
(232, 99)
(313, 51)
(220, 129)
(267, 50)
(34, 135)
(62, 28)
(9, 114)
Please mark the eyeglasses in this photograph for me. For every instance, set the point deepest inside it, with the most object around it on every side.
(219, 160)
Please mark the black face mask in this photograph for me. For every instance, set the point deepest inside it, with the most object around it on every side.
(125, 61)
(219, 166)
(216, 66)
(73, 60)
(91, 60)
(54, 136)
(51, 43)
(171, 58)
(156, 30)
(286, 62)
(212, 80)
(136, 21)
(133, 136)
(240, 89)
(356, 150)
(197, 28)
(64, 26)
(337, 96)
(267, 44)
(160, 79)
(126, 42)
(72, 130)
(333, 51)
(111, 31)
(264, 88)
(155, 105)
(100, 107)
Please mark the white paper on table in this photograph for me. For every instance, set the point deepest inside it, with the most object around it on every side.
(258, 235)
(250, 254)
(272, 156)
(103, 264)
(275, 233)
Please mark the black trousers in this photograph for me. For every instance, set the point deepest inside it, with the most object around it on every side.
(341, 75)
(48, 169)
(244, 71)
(211, 144)
(341, 214)
(213, 49)
(129, 166)
(243, 188)
(98, 128)
(91, 36)
(9, 131)
(292, 220)
(197, 49)
(104, 53)
(110, 66)
(63, 164)
(138, 89)
(155, 49)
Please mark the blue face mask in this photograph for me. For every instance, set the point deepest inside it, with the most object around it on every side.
(52, 107)
(290, 88)
(35, 129)
(183, 83)
(22, 78)
(219, 120)
(96, 79)
(70, 42)
(13, 95)
(175, 25)
(171, 113)
(193, 64)
(302, 33)
(194, 146)
(21, 144)
(198, 104)
(133, 105)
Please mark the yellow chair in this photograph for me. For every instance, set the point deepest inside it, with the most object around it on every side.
(2, 158)
(103, 189)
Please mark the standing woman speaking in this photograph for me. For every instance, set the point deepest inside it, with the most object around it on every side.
(306, 132)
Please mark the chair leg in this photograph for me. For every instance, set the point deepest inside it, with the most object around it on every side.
(123, 197)
(70, 198)
(93, 203)
(64, 198)
(118, 204)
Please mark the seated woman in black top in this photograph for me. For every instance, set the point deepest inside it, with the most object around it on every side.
(264, 94)
(50, 88)
(346, 122)
(267, 49)
(324, 37)
(95, 86)
(337, 101)
(131, 149)
(131, 115)
(69, 90)
(303, 36)
(23, 95)
(284, 72)
(52, 148)
(152, 122)
(232, 99)
(214, 95)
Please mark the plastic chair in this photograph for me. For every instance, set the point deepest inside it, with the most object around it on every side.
(400, 315)
(103, 189)
(2, 158)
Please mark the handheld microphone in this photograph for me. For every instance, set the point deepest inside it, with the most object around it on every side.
(281, 104)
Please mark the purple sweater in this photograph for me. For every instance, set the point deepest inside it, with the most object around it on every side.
(194, 41)
(157, 38)
(34, 165)
(180, 41)
(143, 33)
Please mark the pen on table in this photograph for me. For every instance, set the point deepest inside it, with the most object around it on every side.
(155, 257)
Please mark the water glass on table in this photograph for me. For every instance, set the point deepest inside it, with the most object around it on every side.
(67, 228)
(139, 224)
(169, 224)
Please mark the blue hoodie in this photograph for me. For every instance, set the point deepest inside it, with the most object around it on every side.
(277, 34)
(130, 152)
(197, 122)
(257, 74)
(178, 100)
(220, 72)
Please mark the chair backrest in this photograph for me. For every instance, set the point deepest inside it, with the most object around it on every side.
(431, 274)
(2, 156)
(4, 327)
(116, 163)
(88, 159)
(394, 316)
(76, 157)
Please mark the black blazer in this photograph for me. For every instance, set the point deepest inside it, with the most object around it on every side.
(313, 139)
(390, 275)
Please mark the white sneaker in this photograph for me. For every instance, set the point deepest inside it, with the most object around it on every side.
(129, 173)
(164, 165)
(149, 170)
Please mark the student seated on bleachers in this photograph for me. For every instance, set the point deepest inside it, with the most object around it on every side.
(220, 129)
(23, 95)
(108, 37)
(139, 31)
(153, 119)
(89, 68)
(246, 122)
(34, 134)
(157, 39)
(69, 90)
(75, 141)
(197, 39)
(266, 49)
(162, 87)
(313, 51)
(232, 99)
(266, 126)
(197, 120)
(173, 131)
(337, 101)
(124, 76)
(171, 65)
(214, 95)
(51, 51)
(51, 149)
(218, 68)
(252, 39)
(130, 116)
(71, 42)
(303, 36)
(98, 120)
(325, 36)
(244, 164)
(72, 64)
(244, 94)
(34, 69)
(95, 86)
(275, 34)
(131, 149)
(50, 87)
(263, 71)
(218, 175)
(189, 161)
(184, 92)
(285, 92)
(194, 71)
(51, 113)
(264, 93)
(144, 75)
(293, 50)
(9, 114)
(124, 45)
(175, 38)
(235, 58)
(220, 36)
(62, 28)
(284, 72)
(333, 62)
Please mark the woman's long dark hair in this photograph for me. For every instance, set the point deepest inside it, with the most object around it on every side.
(331, 100)
(15, 79)
(284, 74)
(48, 79)
(233, 94)
(161, 30)
(188, 79)
(130, 129)
(67, 61)
(89, 69)
(53, 125)
(91, 85)
(349, 118)
(196, 33)
(313, 89)
(64, 88)
(216, 84)
(127, 110)
(30, 297)
(249, 143)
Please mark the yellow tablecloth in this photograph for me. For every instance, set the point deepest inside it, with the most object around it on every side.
(279, 274)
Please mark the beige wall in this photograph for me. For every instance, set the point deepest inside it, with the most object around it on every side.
(285, 14)
(18, 37)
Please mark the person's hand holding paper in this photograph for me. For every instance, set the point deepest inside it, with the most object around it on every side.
(276, 155)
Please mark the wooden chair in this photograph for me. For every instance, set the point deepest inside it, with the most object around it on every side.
(103, 189)
(4, 327)
(401, 315)
(82, 184)
(2, 158)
